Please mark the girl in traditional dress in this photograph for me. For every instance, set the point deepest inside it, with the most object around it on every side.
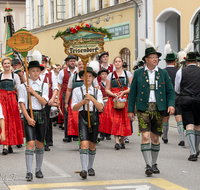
(115, 121)
(13, 124)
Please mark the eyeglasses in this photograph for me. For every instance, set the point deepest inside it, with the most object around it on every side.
(152, 57)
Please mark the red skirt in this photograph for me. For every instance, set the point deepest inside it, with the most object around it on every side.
(13, 124)
(60, 116)
(72, 126)
(115, 121)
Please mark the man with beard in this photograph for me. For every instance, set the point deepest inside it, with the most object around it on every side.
(63, 79)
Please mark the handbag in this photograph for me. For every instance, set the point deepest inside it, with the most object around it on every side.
(119, 105)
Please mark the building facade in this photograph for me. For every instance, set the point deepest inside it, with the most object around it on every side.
(177, 22)
(19, 16)
(123, 18)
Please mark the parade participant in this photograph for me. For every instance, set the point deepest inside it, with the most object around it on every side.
(2, 126)
(139, 65)
(63, 79)
(34, 128)
(187, 85)
(103, 73)
(13, 125)
(152, 92)
(104, 57)
(17, 65)
(172, 70)
(115, 121)
(80, 99)
(125, 66)
(46, 77)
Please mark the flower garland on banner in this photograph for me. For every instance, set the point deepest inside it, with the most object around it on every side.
(8, 9)
(83, 26)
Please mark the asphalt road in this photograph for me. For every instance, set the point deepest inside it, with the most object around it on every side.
(122, 169)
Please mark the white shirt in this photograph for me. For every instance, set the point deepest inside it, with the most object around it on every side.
(16, 79)
(151, 74)
(170, 66)
(54, 77)
(1, 113)
(70, 82)
(54, 82)
(129, 74)
(107, 66)
(77, 97)
(61, 74)
(178, 80)
(36, 85)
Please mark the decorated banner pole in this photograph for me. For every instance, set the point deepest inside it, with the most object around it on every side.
(84, 41)
(23, 41)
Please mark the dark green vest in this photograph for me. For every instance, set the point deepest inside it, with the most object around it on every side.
(76, 83)
(7, 84)
(123, 80)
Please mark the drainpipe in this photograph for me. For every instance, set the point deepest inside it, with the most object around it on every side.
(146, 12)
(136, 30)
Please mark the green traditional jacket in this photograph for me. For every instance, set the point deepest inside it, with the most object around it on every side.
(140, 91)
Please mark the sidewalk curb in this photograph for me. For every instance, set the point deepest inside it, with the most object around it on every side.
(3, 186)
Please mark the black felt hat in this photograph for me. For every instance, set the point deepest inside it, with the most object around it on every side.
(103, 70)
(15, 62)
(89, 70)
(103, 53)
(44, 58)
(35, 64)
(170, 57)
(124, 65)
(191, 56)
(70, 57)
(150, 51)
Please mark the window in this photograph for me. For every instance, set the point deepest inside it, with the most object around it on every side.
(60, 10)
(32, 14)
(88, 6)
(52, 11)
(116, 2)
(73, 7)
(41, 13)
(126, 56)
(197, 33)
(100, 4)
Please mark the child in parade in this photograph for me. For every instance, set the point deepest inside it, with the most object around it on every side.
(80, 99)
(2, 125)
(115, 121)
(34, 128)
(13, 124)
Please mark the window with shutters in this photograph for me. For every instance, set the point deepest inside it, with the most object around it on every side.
(116, 2)
(88, 6)
(41, 13)
(100, 4)
(60, 9)
(73, 7)
(197, 33)
(52, 11)
(126, 56)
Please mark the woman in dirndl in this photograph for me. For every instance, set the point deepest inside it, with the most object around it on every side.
(115, 120)
(13, 124)
(74, 82)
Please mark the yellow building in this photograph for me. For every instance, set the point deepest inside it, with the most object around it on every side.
(47, 17)
(176, 21)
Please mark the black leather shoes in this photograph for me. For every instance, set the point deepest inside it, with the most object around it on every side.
(117, 147)
(10, 150)
(192, 157)
(19, 145)
(39, 174)
(51, 144)
(91, 172)
(101, 138)
(60, 126)
(47, 148)
(29, 176)
(155, 169)
(108, 138)
(165, 140)
(67, 139)
(75, 139)
(148, 170)
(5, 151)
(197, 153)
(83, 174)
(122, 146)
(181, 143)
(126, 140)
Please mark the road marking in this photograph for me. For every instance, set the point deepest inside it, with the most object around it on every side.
(56, 169)
(138, 187)
(159, 182)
